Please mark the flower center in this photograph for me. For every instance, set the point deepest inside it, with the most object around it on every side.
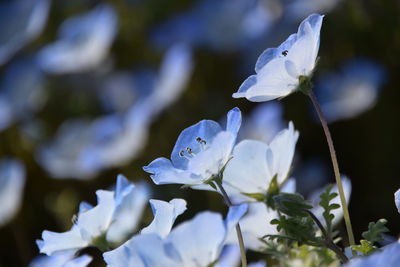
(188, 151)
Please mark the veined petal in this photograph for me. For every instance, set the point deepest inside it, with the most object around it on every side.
(163, 172)
(165, 214)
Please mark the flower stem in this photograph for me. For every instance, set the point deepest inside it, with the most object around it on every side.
(335, 166)
(238, 230)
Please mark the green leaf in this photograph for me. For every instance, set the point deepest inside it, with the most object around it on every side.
(326, 197)
(375, 231)
(365, 247)
(273, 190)
(292, 204)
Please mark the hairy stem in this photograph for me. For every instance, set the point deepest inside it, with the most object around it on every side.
(238, 230)
(335, 164)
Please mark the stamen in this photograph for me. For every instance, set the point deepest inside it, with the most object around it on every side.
(74, 219)
(201, 141)
(284, 53)
(189, 150)
(182, 153)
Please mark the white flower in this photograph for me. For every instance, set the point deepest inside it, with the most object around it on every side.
(61, 259)
(83, 42)
(279, 69)
(12, 182)
(197, 242)
(200, 153)
(254, 164)
(115, 216)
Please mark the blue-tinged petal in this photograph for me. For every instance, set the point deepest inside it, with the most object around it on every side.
(140, 251)
(128, 212)
(235, 213)
(248, 83)
(61, 259)
(199, 241)
(230, 256)
(95, 221)
(234, 121)
(205, 129)
(54, 242)
(163, 172)
(289, 186)
(123, 187)
(12, 183)
(255, 224)
(165, 214)
(388, 256)
(315, 21)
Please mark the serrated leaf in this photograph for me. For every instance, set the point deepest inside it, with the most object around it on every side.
(365, 247)
(375, 231)
(292, 204)
(326, 197)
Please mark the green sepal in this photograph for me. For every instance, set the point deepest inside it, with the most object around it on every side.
(365, 247)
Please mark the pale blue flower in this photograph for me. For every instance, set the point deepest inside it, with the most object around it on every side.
(21, 93)
(113, 219)
(197, 242)
(12, 183)
(264, 122)
(83, 42)
(351, 91)
(254, 164)
(388, 257)
(61, 259)
(22, 21)
(200, 153)
(279, 69)
(224, 25)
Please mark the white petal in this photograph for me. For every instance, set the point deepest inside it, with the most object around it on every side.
(165, 214)
(54, 242)
(247, 171)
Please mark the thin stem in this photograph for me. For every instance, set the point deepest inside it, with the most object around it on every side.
(328, 240)
(335, 164)
(238, 230)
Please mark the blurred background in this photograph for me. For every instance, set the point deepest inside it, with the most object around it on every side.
(91, 89)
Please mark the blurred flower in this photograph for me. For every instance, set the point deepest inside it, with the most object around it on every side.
(12, 182)
(197, 242)
(201, 152)
(350, 92)
(254, 164)
(280, 70)
(21, 93)
(225, 25)
(338, 213)
(295, 10)
(116, 215)
(22, 21)
(83, 42)
(83, 148)
(388, 256)
(61, 259)
(264, 122)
